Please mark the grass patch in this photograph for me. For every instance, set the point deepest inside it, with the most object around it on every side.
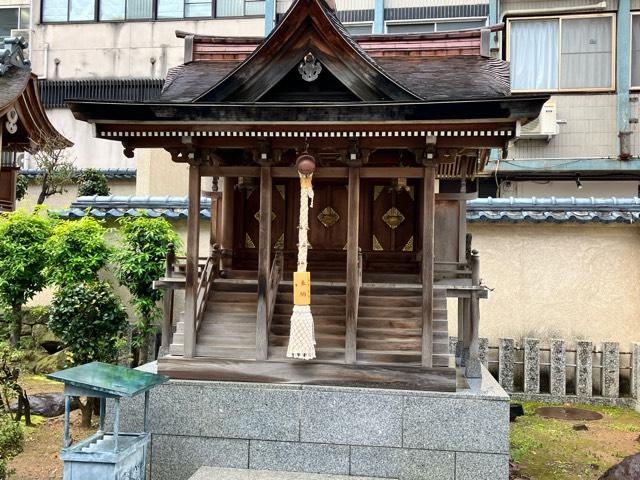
(548, 448)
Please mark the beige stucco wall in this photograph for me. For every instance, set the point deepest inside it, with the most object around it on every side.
(60, 201)
(559, 280)
(157, 174)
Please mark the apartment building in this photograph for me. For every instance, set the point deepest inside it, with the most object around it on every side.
(587, 55)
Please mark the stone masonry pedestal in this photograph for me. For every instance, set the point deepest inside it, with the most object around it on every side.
(367, 432)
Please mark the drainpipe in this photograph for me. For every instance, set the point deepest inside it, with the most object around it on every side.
(623, 77)
(269, 16)
(378, 17)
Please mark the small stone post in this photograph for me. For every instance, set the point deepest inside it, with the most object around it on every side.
(531, 365)
(610, 371)
(558, 360)
(506, 354)
(472, 366)
(484, 351)
(635, 371)
(584, 369)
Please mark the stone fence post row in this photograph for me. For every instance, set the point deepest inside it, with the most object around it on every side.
(609, 366)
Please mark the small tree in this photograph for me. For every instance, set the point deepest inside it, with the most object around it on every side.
(22, 186)
(91, 321)
(10, 360)
(11, 443)
(56, 171)
(140, 261)
(22, 260)
(76, 251)
(93, 182)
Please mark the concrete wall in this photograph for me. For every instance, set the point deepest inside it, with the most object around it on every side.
(588, 130)
(558, 280)
(123, 49)
(506, 5)
(547, 188)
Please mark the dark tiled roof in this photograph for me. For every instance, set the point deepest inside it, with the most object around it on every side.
(490, 210)
(554, 210)
(434, 78)
(12, 84)
(190, 80)
(111, 173)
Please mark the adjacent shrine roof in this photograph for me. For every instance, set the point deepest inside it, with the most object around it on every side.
(24, 121)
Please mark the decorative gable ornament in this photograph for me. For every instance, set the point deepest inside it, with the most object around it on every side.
(309, 68)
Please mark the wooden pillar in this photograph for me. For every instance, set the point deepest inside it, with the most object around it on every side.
(264, 263)
(167, 322)
(428, 217)
(191, 280)
(353, 280)
(216, 209)
(226, 233)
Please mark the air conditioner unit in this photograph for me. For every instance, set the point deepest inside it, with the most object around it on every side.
(542, 128)
(20, 32)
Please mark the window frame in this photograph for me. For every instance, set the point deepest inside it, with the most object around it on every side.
(434, 22)
(358, 24)
(153, 18)
(19, 8)
(614, 47)
(632, 87)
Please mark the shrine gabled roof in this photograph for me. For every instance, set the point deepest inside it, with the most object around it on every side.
(310, 26)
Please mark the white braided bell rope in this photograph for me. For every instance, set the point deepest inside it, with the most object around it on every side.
(301, 335)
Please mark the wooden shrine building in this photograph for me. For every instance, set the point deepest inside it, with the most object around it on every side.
(24, 125)
(398, 125)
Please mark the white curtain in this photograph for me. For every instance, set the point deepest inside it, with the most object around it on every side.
(586, 53)
(230, 8)
(534, 54)
(170, 8)
(139, 9)
(197, 8)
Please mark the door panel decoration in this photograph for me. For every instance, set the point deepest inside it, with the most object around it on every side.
(257, 216)
(393, 218)
(328, 217)
(249, 216)
(248, 243)
(376, 245)
(409, 246)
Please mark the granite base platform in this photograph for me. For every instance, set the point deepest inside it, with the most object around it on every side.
(365, 432)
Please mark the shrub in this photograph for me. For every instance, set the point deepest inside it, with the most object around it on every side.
(140, 261)
(91, 321)
(22, 260)
(22, 186)
(76, 251)
(11, 442)
(93, 182)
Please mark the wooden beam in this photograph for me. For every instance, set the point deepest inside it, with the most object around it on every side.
(230, 171)
(428, 217)
(353, 281)
(227, 222)
(216, 208)
(191, 281)
(323, 172)
(264, 262)
(441, 379)
(391, 172)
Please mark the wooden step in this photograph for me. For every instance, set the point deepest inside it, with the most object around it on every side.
(233, 297)
(380, 301)
(234, 286)
(322, 341)
(337, 299)
(318, 327)
(223, 307)
(322, 354)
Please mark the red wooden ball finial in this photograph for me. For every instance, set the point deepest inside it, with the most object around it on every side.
(306, 164)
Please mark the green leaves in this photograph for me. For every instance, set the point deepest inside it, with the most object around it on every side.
(90, 319)
(22, 256)
(77, 251)
(92, 182)
(140, 261)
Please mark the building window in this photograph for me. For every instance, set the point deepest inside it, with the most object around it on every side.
(429, 26)
(56, 11)
(114, 10)
(561, 53)
(635, 50)
(359, 28)
(239, 8)
(13, 18)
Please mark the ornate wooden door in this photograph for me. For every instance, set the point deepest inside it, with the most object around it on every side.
(392, 216)
(328, 217)
(248, 216)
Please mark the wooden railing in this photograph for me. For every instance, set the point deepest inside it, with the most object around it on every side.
(275, 277)
(167, 314)
(206, 277)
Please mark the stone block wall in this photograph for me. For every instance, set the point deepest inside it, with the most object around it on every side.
(407, 435)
